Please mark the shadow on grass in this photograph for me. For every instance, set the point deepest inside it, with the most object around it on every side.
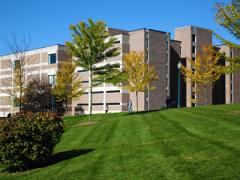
(61, 156)
(54, 159)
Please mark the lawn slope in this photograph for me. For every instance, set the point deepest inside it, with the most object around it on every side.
(194, 143)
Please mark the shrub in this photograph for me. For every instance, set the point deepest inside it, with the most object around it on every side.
(28, 138)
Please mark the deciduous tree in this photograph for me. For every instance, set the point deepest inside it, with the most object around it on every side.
(68, 82)
(205, 71)
(90, 46)
(138, 74)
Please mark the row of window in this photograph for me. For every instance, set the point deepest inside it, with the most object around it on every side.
(52, 59)
(99, 104)
(101, 92)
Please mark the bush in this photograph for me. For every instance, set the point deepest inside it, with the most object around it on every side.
(28, 138)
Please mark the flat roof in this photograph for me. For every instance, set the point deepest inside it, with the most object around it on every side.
(1, 55)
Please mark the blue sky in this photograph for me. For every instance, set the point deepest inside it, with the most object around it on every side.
(46, 22)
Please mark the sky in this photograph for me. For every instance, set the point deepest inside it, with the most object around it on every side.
(46, 22)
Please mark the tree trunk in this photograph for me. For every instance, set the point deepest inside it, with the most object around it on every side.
(205, 95)
(90, 96)
(137, 100)
(66, 103)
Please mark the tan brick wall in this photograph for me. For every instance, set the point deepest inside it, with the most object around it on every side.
(137, 43)
(203, 37)
(158, 50)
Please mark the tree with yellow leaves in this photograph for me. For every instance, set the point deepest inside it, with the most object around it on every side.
(138, 74)
(206, 70)
(68, 83)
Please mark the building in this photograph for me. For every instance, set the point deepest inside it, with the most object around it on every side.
(192, 40)
(160, 51)
(232, 81)
(40, 64)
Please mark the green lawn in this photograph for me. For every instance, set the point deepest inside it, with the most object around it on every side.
(194, 143)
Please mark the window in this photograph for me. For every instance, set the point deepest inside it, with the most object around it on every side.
(52, 58)
(51, 80)
(113, 103)
(193, 38)
(97, 92)
(114, 91)
(84, 81)
(16, 64)
(79, 71)
(116, 42)
(193, 49)
(16, 103)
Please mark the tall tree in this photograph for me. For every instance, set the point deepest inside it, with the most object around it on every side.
(68, 83)
(205, 71)
(138, 74)
(228, 16)
(90, 45)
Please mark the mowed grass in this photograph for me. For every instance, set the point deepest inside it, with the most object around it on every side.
(194, 143)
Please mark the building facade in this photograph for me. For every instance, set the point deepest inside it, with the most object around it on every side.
(160, 51)
(39, 64)
(192, 40)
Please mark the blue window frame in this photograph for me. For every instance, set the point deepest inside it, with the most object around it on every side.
(52, 58)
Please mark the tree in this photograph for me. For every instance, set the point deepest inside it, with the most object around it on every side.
(138, 74)
(68, 83)
(90, 45)
(205, 71)
(37, 97)
(228, 16)
(20, 73)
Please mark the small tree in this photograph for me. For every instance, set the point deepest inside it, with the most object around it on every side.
(138, 74)
(37, 97)
(68, 83)
(205, 71)
(17, 64)
(90, 45)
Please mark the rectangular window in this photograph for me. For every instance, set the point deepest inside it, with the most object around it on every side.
(193, 38)
(97, 92)
(84, 81)
(83, 104)
(15, 103)
(52, 58)
(79, 71)
(116, 42)
(113, 103)
(97, 104)
(114, 91)
(193, 49)
(16, 64)
(51, 80)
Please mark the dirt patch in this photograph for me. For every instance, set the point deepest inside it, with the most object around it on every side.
(87, 123)
(237, 112)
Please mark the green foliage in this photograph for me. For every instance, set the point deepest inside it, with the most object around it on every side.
(137, 74)
(37, 97)
(26, 138)
(228, 16)
(68, 83)
(92, 44)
